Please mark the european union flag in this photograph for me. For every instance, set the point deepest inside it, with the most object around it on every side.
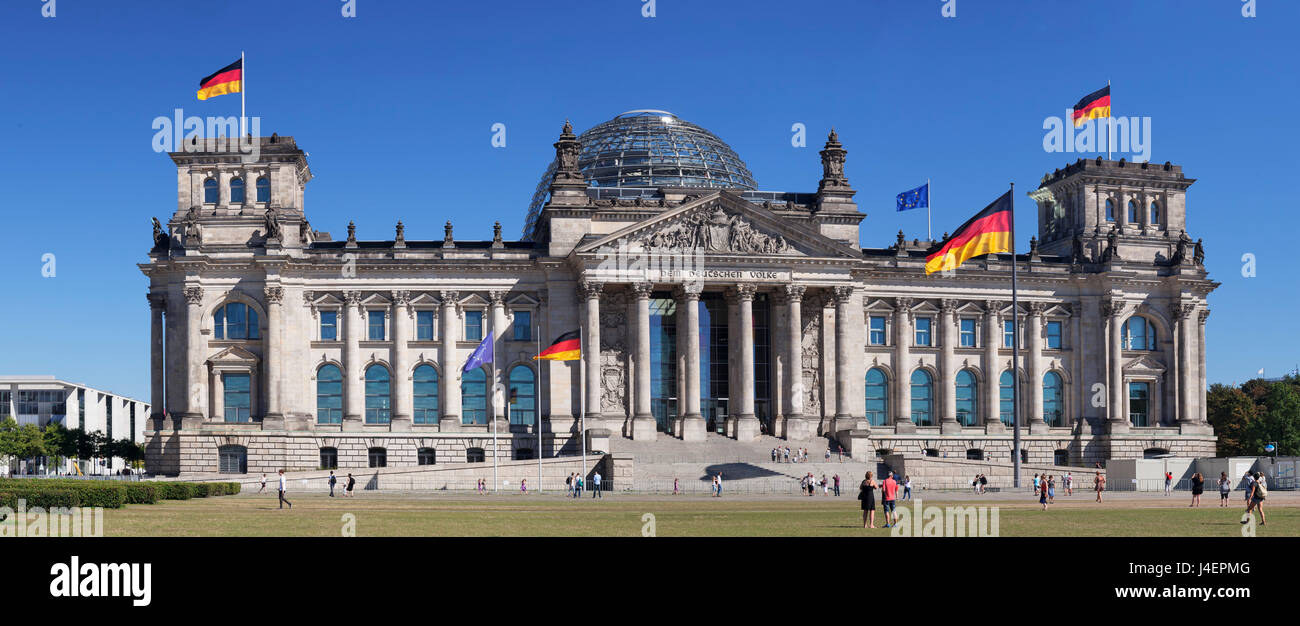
(918, 198)
(482, 354)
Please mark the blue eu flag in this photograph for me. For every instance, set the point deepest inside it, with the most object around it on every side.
(918, 198)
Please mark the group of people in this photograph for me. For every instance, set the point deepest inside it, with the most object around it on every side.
(716, 487)
(810, 484)
(980, 483)
(783, 454)
(889, 499)
(575, 483)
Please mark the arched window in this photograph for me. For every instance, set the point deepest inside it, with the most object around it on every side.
(378, 457)
(522, 394)
(378, 395)
(1138, 334)
(425, 387)
(1155, 213)
(1132, 212)
(232, 459)
(329, 395)
(1006, 398)
(235, 320)
(877, 396)
(263, 189)
(922, 398)
(1053, 399)
(967, 399)
(329, 458)
(426, 456)
(1110, 210)
(236, 191)
(210, 191)
(473, 397)
(475, 455)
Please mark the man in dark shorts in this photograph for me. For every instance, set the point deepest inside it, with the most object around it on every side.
(890, 489)
(352, 482)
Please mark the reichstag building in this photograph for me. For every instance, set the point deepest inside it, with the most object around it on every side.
(707, 307)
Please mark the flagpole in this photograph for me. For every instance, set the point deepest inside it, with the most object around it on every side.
(496, 483)
(1109, 121)
(929, 202)
(582, 401)
(1015, 353)
(243, 89)
(537, 410)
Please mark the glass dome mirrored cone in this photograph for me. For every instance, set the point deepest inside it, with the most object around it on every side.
(648, 148)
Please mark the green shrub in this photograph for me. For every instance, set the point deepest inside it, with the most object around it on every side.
(232, 489)
(141, 493)
(199, 490)
(173, 491)
(45, 498)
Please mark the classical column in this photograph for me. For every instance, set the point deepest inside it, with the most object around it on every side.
(795, 391)
(1113, 310)
(992, 367)
(1035, 363)
(688, 299)
(590, 292)
(217, 384)
(947, 367)
(402, 386)
(273, 417)
(449, 377)
(1201, 408)
(1186, 380)
(746, 422)
(845, 351)
(353, 390)
(643, 421)
(498, 404)
(157, 360)
(192, 359)
(903, 365)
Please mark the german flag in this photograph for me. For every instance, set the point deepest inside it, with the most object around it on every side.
(989, 231)
(1093, 106)
(567, 348)
(229, 79)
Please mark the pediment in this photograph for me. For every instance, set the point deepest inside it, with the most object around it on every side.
(424, 299)
(233, 355)
(721, 223)
(879, 305)
(523, 300)
(970, 308)
(1144, 364)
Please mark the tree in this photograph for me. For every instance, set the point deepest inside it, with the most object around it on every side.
(1232, 413)
(8, 439)
(1279, 420)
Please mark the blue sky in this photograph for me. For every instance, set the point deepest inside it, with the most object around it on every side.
(396, 107)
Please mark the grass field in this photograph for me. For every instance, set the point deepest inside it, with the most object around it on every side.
(315, 515)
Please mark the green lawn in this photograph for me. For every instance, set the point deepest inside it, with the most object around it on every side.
(622, 515)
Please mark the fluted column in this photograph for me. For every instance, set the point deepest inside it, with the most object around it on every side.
(795, 391)
(402, 385)
(157, 360)
(903, 365)
(590, 293)
(689, 302)
(192, 360)
(992, 367)
(845, 351)
(1035, 362)
(948, 367)
(497, 400)
(643, 421)
(1201, 407)
(746, 422)
(1113, 310)
(449, 377)
(273, 418)
(353, 390)
(1186, 376)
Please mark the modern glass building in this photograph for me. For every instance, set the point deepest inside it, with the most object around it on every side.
(44, 400)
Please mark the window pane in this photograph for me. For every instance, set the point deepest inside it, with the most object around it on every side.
(329, 395)
(263, 189)
(378, 395)
(329, 330)
(236, 397)
(1053, 402)
(219, 324)
(473, 325)
(523, 325)
(877, 397)
(236, 190)
(473, 403)
(424, 325)
(923, 331)
(877, 331)
(968, 333)
(210, 191)
(1054, 335)
(967, 399)
(376, 325)
(1006, 401)
(425, 382)
(523, 391)
(922, 398)
(1008, 334)
(1139, 404)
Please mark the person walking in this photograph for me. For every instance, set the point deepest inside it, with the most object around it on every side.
(568, 485)
(263, 489)
(1042, 493)
(283, 485)
(523, 486)
(889, 491)
(1069, 484)
(984, 483)
(347, 490)
(578, 484)
(907, 486)
(1250, 481)
(837, 485)
(828, 455)
(826, 486)
(1035, 484)
(1198, 487)
(774, 455)
(1099, 484)
(975, 483)
(1169, 482)
(1225, 487)
(867, 495)
(841, 457)
(675, 491)
(333, 480)
(1258, 491)
(595, 485)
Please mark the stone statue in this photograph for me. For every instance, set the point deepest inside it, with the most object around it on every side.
(193, 232)
(272, 226)
(496, 232)
(160, 238)
(1111, 253)
(1198, 253)
(446, 232)
(1180, 249)
(401, 232)
(1076, 250)
(833, 162)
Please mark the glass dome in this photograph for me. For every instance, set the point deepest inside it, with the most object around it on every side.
(646, 149)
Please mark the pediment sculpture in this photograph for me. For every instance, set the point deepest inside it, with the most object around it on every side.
(715, 232)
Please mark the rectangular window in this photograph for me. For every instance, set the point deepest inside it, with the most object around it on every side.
(923, 331)
(1139, 403)
(1053, 335)
(329, 325)
(877, 330)
(424, 325)
(376, 319)
(1008, 334)
(236, 397)
(968, 333)
(4, 404)
(523, 326)
(473, 326)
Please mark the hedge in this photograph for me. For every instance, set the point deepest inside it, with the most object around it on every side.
(174, 491)
(46, 498)
(113, 494)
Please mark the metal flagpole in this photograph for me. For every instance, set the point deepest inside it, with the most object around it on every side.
(496, 483)
(929, 202)
(1110, 119)
(1015, 353)
(537, 411)
(243, 89)
(582, 401)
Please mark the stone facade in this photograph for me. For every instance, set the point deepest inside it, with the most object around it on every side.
(860, 344)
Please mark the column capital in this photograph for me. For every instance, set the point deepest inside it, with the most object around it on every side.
(274, 294)
(689, 291)
(741, 293)
(401, 298)
(1112, 306)
(590, 289)
(993, 307)
(843, 294)
(791, 294)
(1203, 315)
(1036, 308)
(352, 297)
(903, 306)
(194, 295)
(309, 298)
(1180, 311)
(449, 298)
(497, 297)
(642, 290)
(157, 301)
(948, 306)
